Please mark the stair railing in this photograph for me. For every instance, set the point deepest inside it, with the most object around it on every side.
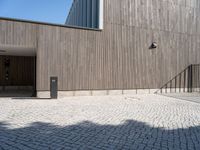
(186, 81)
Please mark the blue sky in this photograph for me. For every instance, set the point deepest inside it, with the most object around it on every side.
(52, 11)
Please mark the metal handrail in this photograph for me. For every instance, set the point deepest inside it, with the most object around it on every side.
(188, 79)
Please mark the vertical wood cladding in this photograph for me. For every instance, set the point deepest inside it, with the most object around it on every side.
(21, 71)
(17, 34)
(118, 57)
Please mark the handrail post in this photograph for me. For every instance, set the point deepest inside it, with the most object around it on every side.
(184, 80)
(175, 83)
(198, 86)
(170, 86)
(180, 77)
(187, 81)
(190, 79)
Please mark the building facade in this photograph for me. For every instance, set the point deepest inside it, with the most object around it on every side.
(86, 13)
(116, 58)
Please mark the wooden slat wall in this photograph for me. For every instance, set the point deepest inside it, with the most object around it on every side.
(119, 56)
(17, 34)
(21, 71)
(2, 75)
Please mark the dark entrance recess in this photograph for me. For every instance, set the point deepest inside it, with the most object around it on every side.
(17, 76)
(54, 87)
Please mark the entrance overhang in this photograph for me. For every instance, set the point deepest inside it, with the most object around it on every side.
(10, 50)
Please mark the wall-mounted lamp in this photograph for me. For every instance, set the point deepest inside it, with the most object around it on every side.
(153, 45)
(7, 68)
(7, 62)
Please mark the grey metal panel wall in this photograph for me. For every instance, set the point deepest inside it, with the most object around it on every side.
(84, 19)
(84, 13)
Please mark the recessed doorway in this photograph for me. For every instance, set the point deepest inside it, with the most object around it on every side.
(17, 76)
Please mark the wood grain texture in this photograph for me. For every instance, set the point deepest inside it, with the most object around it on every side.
(17, 34)
(21, 71)
(118, 57)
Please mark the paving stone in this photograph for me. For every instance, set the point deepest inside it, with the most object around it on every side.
(102, 122)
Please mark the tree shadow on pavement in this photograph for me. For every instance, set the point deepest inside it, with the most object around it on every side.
(87, 135)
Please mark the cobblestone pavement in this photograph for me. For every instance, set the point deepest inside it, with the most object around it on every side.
(193, 97)
(140, 122)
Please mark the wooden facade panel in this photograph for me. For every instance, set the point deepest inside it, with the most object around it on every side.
(2, 74)
(165, 15)
(118, 57)
(18, 34)
(21, 71)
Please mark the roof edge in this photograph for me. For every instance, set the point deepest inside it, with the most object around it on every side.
(49, 24)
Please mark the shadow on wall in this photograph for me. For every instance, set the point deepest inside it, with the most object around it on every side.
(87, 135)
